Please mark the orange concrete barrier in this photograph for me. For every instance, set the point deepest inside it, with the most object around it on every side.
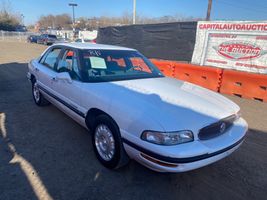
(165, 66)
(208, 77)
(243, 84)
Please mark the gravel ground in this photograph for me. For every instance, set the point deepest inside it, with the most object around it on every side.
(46, 155)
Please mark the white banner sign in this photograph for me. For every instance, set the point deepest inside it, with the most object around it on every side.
(236, 45)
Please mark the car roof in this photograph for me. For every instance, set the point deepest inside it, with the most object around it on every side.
(93, 46)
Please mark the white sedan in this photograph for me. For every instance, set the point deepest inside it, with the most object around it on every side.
(133, 110)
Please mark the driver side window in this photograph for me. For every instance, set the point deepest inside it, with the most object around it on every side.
(50, 59)
(69, 63)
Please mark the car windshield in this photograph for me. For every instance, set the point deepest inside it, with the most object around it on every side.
(115, 65)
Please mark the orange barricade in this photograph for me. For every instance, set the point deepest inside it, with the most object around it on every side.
(165, 66)
(208, 77)
(243, 84)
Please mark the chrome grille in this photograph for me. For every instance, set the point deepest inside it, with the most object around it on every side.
(216, 129)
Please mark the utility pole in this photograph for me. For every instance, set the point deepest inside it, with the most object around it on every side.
(134, 11)
(22, 19)
(73, 14)
(209, 10)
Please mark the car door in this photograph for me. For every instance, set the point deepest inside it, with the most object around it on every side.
(69, 92)
(40, 40)
(46, 70)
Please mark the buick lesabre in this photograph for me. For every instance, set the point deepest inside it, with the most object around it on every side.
(133, 110)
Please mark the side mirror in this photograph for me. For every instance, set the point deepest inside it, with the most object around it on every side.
(64, 76)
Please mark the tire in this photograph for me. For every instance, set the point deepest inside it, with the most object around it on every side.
(37, 96)
(106, 127)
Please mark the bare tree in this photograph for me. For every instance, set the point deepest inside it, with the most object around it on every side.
(8, 19)
(62, 21)
(126, 18)
(82, 23)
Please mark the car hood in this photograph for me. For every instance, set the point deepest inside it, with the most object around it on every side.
(173, 103)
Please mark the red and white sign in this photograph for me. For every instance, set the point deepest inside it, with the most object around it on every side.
(235, 45)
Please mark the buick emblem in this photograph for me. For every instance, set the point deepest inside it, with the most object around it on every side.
(222, 127)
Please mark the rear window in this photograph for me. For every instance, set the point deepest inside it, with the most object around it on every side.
(52, 36)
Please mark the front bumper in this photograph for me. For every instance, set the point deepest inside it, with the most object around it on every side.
(204, 152)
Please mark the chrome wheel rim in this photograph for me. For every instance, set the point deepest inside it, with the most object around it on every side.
(104, 142)
(36, 92)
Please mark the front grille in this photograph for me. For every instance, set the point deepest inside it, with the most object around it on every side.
(216, 129)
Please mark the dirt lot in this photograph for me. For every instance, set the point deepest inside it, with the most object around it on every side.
(46, 155)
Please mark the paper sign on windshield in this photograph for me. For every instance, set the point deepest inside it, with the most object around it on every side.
(98, 63)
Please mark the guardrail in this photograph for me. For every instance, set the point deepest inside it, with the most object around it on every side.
(13, 36)
(242, 84)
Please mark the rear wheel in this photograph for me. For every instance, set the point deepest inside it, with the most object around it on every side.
(37, 96)
(107, 143)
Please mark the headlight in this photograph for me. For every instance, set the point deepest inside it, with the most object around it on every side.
(165, 138)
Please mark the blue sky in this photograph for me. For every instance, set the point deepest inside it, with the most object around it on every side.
(222, 9)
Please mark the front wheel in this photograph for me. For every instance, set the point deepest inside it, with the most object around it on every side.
(107, 143)
(37, 96)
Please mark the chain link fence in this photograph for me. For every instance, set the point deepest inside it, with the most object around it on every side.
(13, 36)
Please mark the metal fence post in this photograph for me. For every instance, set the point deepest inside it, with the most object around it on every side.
(2, 35)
